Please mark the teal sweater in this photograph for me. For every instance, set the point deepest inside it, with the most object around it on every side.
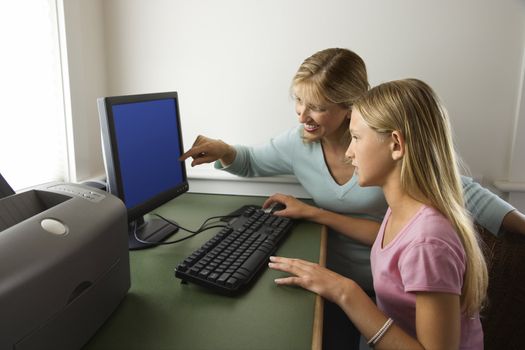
(288, 154)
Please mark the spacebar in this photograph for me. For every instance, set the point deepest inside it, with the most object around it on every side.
(254, 261)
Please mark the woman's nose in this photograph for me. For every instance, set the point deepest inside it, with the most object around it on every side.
(302, 114)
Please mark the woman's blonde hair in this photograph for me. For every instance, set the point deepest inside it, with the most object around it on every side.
(429, 170)
(332, 75)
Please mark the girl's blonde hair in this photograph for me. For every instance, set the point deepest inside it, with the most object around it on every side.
(429, 170)
(332, 75)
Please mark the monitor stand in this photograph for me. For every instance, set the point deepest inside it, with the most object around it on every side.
(151, 230)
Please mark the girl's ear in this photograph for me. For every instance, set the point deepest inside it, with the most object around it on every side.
(397, 145)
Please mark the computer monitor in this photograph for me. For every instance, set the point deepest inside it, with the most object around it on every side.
(142, 142)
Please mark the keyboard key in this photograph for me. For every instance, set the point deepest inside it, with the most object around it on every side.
(223, 278)
(204, 273)
(254, 260)
(213, 276)
(182, 267)
(231, 282)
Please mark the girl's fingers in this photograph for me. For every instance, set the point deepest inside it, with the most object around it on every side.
(283, 267)
(288, 281)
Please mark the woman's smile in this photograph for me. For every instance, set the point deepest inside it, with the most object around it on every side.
(311, 127)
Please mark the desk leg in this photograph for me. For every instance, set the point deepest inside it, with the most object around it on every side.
(317, 334)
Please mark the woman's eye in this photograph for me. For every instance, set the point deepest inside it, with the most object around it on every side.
(317, 108)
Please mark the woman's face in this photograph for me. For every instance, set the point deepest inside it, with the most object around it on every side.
(370, 153)
(319, 121)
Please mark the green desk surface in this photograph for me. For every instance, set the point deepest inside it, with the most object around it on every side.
(161, 313)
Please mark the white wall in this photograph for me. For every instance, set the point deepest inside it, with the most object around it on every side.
(514, 185)
(232, 61)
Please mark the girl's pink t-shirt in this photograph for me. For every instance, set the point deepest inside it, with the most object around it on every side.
(425, 256)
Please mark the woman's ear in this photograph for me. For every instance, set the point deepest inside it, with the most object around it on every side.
(397, 145)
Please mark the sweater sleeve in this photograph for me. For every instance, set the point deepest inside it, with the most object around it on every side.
(486, 208)
(272, 158)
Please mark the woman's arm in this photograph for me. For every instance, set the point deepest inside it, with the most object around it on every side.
(437, 314)
(514, 221)
(487, 209)
(362, 230)
(206, 150)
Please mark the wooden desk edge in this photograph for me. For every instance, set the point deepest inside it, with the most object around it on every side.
(317, 333)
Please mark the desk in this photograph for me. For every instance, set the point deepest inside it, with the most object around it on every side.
(161, 313)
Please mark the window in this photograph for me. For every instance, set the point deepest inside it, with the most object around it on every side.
(32, 123)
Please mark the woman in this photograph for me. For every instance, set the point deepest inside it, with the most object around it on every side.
(429, 272)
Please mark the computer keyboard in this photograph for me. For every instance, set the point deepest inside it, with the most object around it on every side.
(230, 260)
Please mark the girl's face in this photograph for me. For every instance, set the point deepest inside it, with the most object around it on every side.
(320, 121)
(370, 152)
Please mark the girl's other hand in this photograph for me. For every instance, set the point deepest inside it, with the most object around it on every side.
(310, 276)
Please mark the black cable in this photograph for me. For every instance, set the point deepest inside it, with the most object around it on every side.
(201, 229)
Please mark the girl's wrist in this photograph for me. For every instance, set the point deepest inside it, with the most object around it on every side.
(347, 292)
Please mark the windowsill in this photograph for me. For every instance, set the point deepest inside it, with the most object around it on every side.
(510, 186)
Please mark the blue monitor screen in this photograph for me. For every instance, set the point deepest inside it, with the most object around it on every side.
(147, 139)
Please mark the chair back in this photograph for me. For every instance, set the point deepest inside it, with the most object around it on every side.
(503, 317)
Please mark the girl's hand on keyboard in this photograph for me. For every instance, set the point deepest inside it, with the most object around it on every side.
(312, 277)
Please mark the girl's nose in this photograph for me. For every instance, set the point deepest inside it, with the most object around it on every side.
(350, 152)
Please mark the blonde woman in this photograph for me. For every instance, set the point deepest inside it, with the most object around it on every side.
(430, 276)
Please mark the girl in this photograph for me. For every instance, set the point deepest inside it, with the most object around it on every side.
(429, 274)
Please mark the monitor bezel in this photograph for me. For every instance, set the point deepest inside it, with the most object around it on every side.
(111, 152)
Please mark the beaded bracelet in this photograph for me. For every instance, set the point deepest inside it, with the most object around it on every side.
(377, 337)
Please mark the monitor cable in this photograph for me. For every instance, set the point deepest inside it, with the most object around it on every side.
(202, 228)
